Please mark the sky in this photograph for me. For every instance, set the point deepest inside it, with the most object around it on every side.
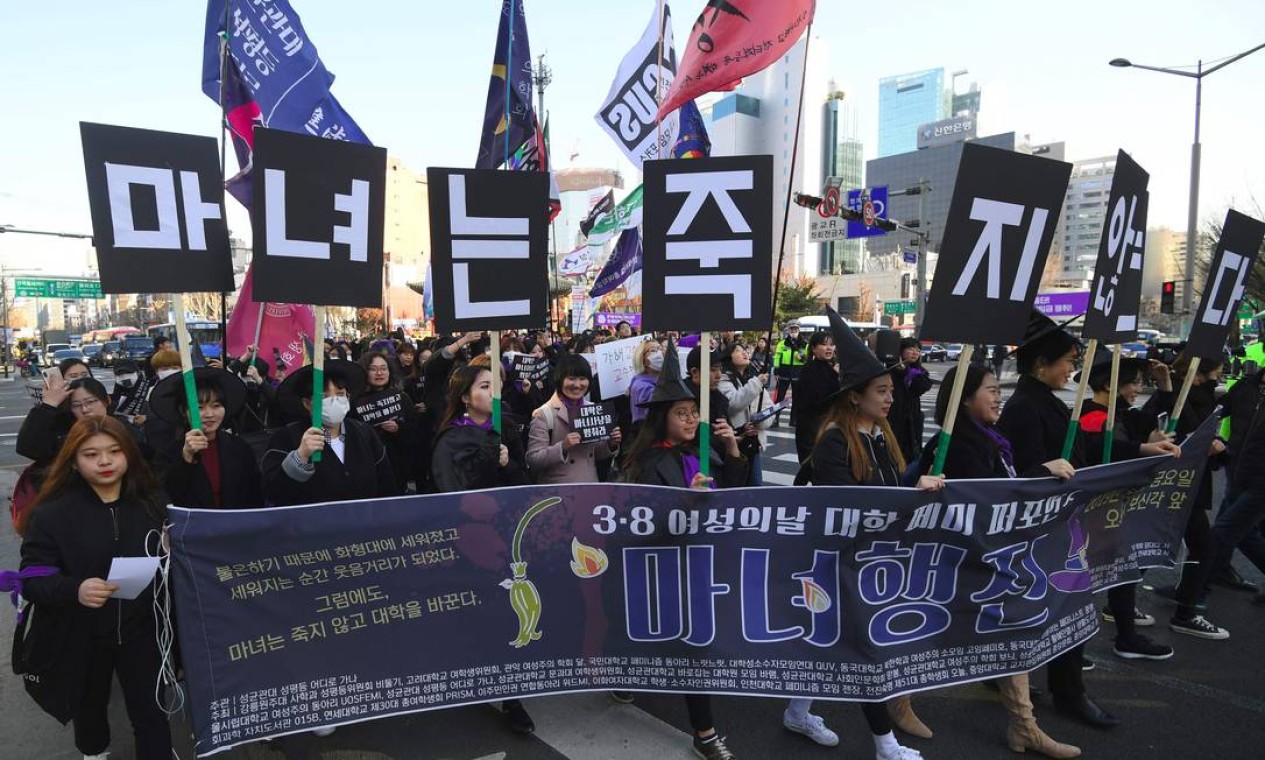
(414, 75)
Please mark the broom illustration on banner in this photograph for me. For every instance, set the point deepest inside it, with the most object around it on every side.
(524, 598)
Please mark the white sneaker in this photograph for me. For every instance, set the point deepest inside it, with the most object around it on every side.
(101, 756)
(813, 727)
(901, 753)
(323, 732)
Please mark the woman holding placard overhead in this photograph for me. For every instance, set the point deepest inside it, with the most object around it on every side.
(99, 501)
(977, 450)
(555, 451)
(856, 447)
(665, 453)
(1035, 421)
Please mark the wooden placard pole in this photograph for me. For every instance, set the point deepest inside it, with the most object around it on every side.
(1109, 432)
(1070, 440)
(318, 375)
(186, 362)
(955, 401)
(705, 404)
(1187, 383)
(495, 336)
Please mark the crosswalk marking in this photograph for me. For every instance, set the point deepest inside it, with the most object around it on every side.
(789, 457)
(772, 478)
(780, 434)
(592, 725)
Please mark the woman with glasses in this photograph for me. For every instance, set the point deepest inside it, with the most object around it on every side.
(396, 434)
(665, 453)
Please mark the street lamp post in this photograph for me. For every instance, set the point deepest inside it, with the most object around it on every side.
(1192, 218)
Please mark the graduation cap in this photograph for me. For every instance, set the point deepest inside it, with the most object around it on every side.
(298, 384)
(670, 388)
(167, 400)
(857, 363)
(1040, 327)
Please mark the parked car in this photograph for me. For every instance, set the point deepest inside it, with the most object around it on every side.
(92, 354)
(934, 353)
(62, 355)
(137, 347)
(953, 352)
(51, 349)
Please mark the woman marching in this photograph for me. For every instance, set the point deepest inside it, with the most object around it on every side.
(817, 383)
(746, 391)
(99, 501)
(978, 451)
(665, 453)
(856, 447)
(209, 468)
(554, 451)
(1035, 421)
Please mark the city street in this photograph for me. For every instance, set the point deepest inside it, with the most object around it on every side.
(1207, 701)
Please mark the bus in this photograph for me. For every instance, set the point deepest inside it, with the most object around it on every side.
(205, 333)
(110, 333)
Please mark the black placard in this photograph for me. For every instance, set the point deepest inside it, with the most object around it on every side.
(1001, 222)
(489, 249)
(1237, 250)
(1116, 291)
(528, 367)
(380, 407)
(157, 204)
(708, 248)
(317, 220)
(595, 422)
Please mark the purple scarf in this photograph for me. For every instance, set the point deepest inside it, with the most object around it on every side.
(1003, 446)
(11, 581)
(690, 463)
(572, 407)
(911, 373)
(465, 421)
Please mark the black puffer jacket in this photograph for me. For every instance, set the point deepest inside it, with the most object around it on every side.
(468, 459)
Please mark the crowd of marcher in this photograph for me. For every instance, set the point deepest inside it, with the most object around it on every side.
(104, 464)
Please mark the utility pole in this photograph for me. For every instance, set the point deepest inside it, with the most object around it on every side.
(923, 239)
(542, 77)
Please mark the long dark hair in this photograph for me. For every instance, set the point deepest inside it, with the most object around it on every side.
(462, 380)
(846, 416)
(139, 483)
(976, 374)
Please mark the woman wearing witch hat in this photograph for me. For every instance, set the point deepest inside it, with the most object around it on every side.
(1136, 434)
(1035, 421)
(665, 453)
(856, 447)
(209, 468)
(354, 465)
(978, 451)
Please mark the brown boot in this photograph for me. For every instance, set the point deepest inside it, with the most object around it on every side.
(902, 713)
(1023, 733)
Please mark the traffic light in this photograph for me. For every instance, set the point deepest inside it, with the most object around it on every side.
(1168, 298)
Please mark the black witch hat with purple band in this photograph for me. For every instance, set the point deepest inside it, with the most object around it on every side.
(857, 363)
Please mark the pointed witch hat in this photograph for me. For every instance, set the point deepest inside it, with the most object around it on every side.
(857, 363)
(670, 388)
(1039, 327)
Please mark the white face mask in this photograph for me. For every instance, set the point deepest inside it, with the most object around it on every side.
(163, 374)
(127, 380)
(334, 409)
(655, 361)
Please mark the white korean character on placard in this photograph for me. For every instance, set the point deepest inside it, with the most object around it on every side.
(709, 253)
(996, 216)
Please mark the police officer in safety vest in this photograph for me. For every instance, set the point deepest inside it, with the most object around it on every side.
(789, 357)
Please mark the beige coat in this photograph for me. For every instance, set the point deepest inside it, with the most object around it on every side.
(545, 457)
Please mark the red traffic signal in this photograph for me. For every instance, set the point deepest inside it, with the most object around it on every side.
(1168, 297)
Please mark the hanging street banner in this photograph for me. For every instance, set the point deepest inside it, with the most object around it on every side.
(708, 244)
(489, 249)
(317, 220)
(157, 205)
(828, 593)
(1117, 285)
(734, 39)
(628, 113)
(1001, 223)
(1236, 253)
(627, 214)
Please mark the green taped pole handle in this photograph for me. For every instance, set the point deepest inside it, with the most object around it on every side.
(1069, 440)
(318, 397)
(1108, 439)
(704, 448)
(191, 400)
(942, 453)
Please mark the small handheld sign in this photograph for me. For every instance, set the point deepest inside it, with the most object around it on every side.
(594, 422)
(376, 408)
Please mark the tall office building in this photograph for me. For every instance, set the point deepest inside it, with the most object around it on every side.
(906, 102)
(842, 157)
(759, 118)
(406, 238)
(1084, 209)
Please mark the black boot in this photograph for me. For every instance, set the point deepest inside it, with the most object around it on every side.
(1086, 711)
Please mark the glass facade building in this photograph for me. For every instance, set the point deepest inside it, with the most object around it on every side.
(842, 156)
(906, 102)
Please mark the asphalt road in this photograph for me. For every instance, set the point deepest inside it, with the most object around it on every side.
(1208, 701)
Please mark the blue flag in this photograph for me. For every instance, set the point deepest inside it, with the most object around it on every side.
(692, 140)
(275, 79)
(509, 120)
(620, 266)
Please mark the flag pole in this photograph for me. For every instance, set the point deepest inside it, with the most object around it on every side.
(1109, 432)
(224, 138)
(509, 76)
(318, 375)
(186, 362)
(1069, 440)
(495, 336)
(705, 404)
(951, 414)
(786, 212)
(1187, 383)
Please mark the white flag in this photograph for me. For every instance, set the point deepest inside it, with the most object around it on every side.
(628, 113)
